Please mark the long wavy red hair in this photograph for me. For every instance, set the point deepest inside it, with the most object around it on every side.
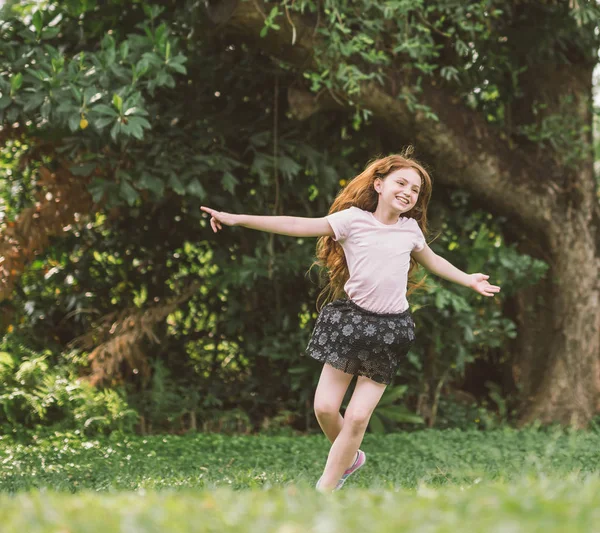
(360, 192)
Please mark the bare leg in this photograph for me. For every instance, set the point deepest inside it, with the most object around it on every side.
(329, 395)
(365, 398)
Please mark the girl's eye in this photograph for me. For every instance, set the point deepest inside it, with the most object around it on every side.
(403, 183)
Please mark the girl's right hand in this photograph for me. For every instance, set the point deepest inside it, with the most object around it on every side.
(218, 218)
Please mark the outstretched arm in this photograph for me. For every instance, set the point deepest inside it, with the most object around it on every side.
(444, 269)
(292, 226)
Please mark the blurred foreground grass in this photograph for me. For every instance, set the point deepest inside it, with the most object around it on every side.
(527, 505)
(503, 481)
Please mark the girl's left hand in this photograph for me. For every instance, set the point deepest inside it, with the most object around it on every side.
(480, 284)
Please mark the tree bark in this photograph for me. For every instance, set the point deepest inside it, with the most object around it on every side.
(555, 207)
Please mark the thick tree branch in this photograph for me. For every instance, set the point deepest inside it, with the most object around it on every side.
(466, 151)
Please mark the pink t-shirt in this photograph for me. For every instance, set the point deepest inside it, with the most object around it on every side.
(378, 257)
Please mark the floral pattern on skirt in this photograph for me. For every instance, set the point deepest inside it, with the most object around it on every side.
(360, 342)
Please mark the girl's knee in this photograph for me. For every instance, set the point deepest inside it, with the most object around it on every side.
(325, 409)
(358, 420)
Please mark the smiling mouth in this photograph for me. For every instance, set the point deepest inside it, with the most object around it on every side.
(402, 200)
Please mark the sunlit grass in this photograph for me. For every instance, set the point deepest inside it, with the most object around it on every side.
(502, 480)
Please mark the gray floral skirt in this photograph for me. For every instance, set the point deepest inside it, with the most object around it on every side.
(361, 342)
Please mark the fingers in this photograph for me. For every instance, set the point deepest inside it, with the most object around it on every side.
(490, 290)
(484, 287)
(214, 222)
(487, 289)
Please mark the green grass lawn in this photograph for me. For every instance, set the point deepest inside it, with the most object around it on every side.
(501, 481)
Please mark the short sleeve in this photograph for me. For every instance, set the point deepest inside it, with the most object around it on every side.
(341, 223)
(419, 240)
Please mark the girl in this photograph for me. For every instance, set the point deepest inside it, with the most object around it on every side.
(369, 242)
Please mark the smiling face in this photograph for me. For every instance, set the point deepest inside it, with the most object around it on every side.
(399, 189)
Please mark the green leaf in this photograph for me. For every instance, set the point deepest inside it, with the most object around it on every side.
(115, 131)
(38, 21)
(229, 182)
(176, 185)
(91, 95)
(118, 102)
(98, 188)
(108, 43)
(6, 361)
(260, 139)
(391, 395)
(33, 101)
(376, 424)
(196, 189)
(16, 81)
(152, 183)
(83, 170)
(74, 122)
(50, 33)
(128, 193)
(133, 101)
(76, 92)
(39, 73)
(103, 122)
(12, 114)
(141, 68)
(469, 334)
(177, 67)
(103, 109)
(124, 50)
(135, 127)
(288, 166)
(141, 121)
(5, 101)
(400, 415)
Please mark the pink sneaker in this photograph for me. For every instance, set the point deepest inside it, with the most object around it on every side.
(361, 459)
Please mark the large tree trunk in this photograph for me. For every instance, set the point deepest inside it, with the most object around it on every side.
(560, 352)
(557, 364)
(563, 384)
